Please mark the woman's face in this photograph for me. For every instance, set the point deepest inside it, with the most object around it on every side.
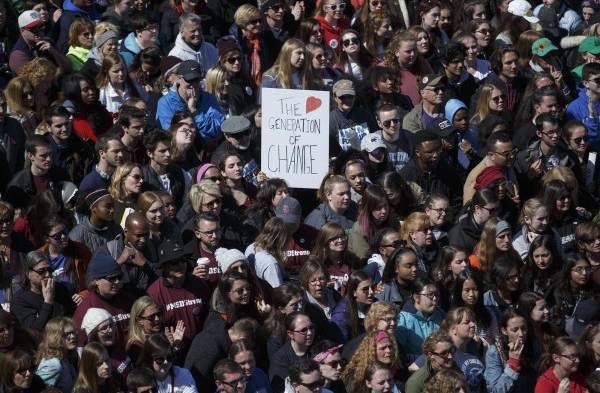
(151, 319)
(58, 236)
(471, 49)
(376, 5)
(540, 312)
(438, 212)
(515, 330)
(297, 58)
(161, 365)
(6, 226)
(581, 273)
(331, 367)
(86, 38)
(422, 237)
(595, 345)
(223, 86)
(431, 18)
(470, 292)
(483, 35)
(295, 304)
(339, 197)
(233, 62)
(384, 351)
(406, 268)
(69, 338)
(479, 12)
(233, 168)
(497, 100)
(109, 287)
(385, 86)
(213, 174)
(385, 30)
(539, 221)
(563, 203)
(466, 329)
(407, 53)
(351, 43)
(304, 331)
(184, 135)
(381, 213)
(364, 292)
(240, 293)
(23, 377)
(156, 213)
(317, 284)
(426, 300)
(319, 61)
(423, 44)
(338, 243)
(258, 119)
(246, 361)
(7, 336)
(110, 47)
(281, 193)
(567, 359)
(387, 323)
(116, 74)
(42, 9)
(88, 93)
(28, 98)
(334, 9)
(316, 35)
(542, 257)
(106, 333)
(103, 366)
(578, 142)
(381, 381)
(133, 182)
(503, 241)
(459, 263)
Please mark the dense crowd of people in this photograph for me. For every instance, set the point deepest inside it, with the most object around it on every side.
(453, 246)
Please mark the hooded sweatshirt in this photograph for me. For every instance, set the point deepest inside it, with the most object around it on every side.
(92, 236)
(413, 327)
(207, 55)
(129, 48)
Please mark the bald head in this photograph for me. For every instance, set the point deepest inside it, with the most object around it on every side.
(136, 231)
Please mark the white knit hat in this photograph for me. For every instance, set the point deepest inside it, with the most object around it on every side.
(94, 317)
(226, 258)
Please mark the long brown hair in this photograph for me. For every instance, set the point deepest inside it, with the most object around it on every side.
(273, 239)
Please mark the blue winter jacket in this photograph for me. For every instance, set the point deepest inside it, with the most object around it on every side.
(129, 48)
(413, 328)
(578, 110)
(208, 117)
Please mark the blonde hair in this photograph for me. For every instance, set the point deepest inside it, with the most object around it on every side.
(282, 69)
(14, 95)
(215, 76)
(530, 207)
(416, 221)
(78, 26)
(328, 184)
(52, 340)
(446, 380)
(244, 14)
(565, 175)
(203, 187)
(482, 105)
(377, 312)
(136, 333)
(117, 188)
(103, 27)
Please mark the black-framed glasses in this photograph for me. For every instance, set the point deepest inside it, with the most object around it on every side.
(114, 278)
(445, 354)
(440, 210)
(237, 382)
(153, 27)
(59, 235)
(339, 237)
(388, 123)
(215, 178)
(24, 370)
(313, 386)
(304, 331)
(234, 59)
(349, 41)
(162, 359)
(335, 363)
(574, 357)
(430, 296)
(334, 7)
(137, 178)
(508, 153)
(69, 333)
(43, 271)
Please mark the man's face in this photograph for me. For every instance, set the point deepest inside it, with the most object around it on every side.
(593, 83)
(42, 159)
(240, 140)
(445, 19)
(136, 128)
(114, 153)
(309, 383)
(276, 12)
(209, 233)
(137, 235)
(548, 104)
(441, 357)
(32, 36)
(510, 67)
(429, 153)
(389, 122)
(455, 67)
(503, 154)
(148, 35)
(344, 103)
(60, 127)
(192, 34)
(162, 153)
(433, 94)
(232, 383)
(550, 134)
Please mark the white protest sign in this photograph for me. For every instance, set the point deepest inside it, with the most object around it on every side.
(295, 136)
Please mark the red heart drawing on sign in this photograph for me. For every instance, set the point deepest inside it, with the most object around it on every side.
(312, 103)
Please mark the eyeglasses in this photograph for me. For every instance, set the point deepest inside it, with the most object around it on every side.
(318, 280)
(212, 232)
(334, 363)
(44, 271)
(388, 123)
(151, 28)
(582, 270)
(212, 204)
(440, 210)
(242, 290)
(491, 209)
(435, 89)
(59, 235)
(580, 140)
(277, 7)
(235, 383)
(333, 7)
(574, 357)
(349, 41)
(425, 230)
(24, 371)
(157, 315)
(430, 296)
(313, 386)
(215, 178)
(36, 31)
(163, 359)
(304, 331)
(507, 153)
(69, 333)
(115, 278)
(446, 354)
(498, 98)
(339, 237)
(240, 135)
(137, 178)
(234, 59)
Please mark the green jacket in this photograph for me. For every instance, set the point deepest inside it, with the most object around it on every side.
(77, 56)
(416, 383)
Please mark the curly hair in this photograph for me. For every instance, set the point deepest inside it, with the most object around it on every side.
(51, 345)
(445, 381)
(377, 312)
(38, 71)
(116, 188)
(363, 357)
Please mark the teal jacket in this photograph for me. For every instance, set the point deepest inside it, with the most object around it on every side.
(413, 328)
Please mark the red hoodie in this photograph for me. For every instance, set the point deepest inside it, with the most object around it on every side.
(548, 383)
(333, 35)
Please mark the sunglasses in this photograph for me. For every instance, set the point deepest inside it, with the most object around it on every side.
(114, 279)
(163, 359)
(241, 135)
(24, 370)
(233, 384)
(234, 59)
(255, 22)
(37, 31)
(59, 235)
(349, 41)
(277, 7)
(44, 271)
(313, 386)
(151, 317)
(388, 123)
(340, 6)
(580, 140)
(215, 178)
